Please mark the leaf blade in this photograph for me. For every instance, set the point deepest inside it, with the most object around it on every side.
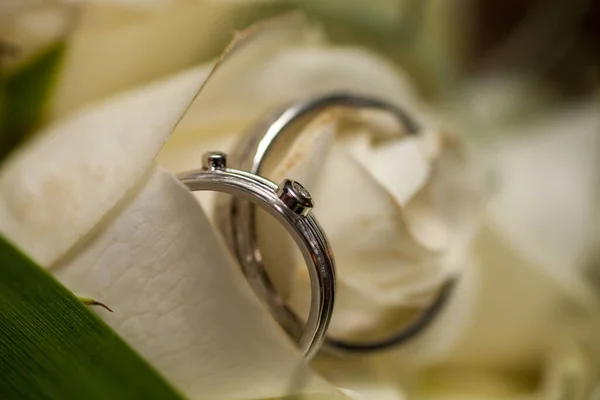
(52, 347)
(25, 95)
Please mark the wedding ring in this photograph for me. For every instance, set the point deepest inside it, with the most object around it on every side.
(237, 220)
(290, 203)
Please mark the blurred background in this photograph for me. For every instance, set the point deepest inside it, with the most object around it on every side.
(544, 50)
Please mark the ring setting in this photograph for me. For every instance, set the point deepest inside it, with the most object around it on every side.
(290, 203)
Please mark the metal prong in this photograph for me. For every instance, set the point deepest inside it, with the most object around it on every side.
(213, 160)
(295, 197)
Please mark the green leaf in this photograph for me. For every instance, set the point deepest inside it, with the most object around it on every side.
(24, 92)
(53, 347)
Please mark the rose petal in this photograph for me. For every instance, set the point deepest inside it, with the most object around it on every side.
(359, 379)
(115, 47)
(181, 302)
(58, 187)
(399, 166)
(302, 163)
(229, 90)
(344, 188)
(438, 342)
(551, 225)
(532, 251)
(568, 372)
(277, 68)
(445, 212)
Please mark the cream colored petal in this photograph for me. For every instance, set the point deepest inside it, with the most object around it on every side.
(404, 168)
(531, 255)
(278, 73)
(475, 384)
(538, 233)
(229, 91)
(117, 46)
(345, 189)
(303, 162)
(547, 191)
(358, 379)
(59, 186)
(399, 166)
(439, 341)
(569, 371)
(520, 310)
(179, 299)
(396, 373)
(380, 266)
(445, 212)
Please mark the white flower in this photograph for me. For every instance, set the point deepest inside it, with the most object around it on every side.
(504, 301)
(116, 45)
(86, 200)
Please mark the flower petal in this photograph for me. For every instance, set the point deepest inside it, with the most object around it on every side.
(537, 235)
(59, 186)
(552, 225)
(179, 299)
(280, 66)
(115, 47)
(359, 379)
(381, 266)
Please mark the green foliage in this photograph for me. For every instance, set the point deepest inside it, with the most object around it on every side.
(53, 347)
(24, 92)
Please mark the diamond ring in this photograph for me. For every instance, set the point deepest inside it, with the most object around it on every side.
(290, 204)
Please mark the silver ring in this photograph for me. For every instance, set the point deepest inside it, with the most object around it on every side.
(290, 203)
(237, 220)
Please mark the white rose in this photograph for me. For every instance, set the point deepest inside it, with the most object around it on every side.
(506, 301)
(87, 201)
(115, 45)
(78, 198)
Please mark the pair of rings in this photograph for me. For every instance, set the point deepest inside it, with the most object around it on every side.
(290, 203)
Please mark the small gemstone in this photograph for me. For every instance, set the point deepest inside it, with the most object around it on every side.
(214, 160)
(295, 197)
(301, 190)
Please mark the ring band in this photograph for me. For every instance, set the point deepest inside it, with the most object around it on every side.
(290, 204)
(250, 153)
